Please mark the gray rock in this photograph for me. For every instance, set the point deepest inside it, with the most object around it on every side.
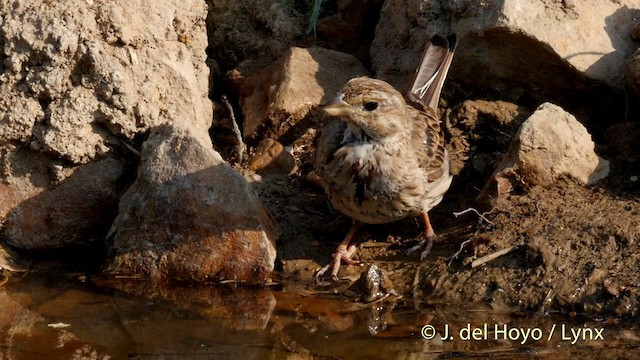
(190, 216)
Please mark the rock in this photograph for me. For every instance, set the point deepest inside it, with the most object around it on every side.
(372, 285)
(72, 214)
(511, 49)
(633, 73)
(96, 67)
(18, 115)
(549, 144)
(278, 96)
(72, 133)
(241, 30)
(76, 81)
(352, 28)
(271, 156)
(189, 216)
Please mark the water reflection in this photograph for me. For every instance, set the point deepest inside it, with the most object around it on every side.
(45, 319)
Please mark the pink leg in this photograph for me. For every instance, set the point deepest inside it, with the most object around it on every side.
(426, 243)
(430, 234)
(343, 253)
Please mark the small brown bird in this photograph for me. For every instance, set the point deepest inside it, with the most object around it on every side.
(384, 158)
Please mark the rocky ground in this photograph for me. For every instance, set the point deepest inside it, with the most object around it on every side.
(104, 146)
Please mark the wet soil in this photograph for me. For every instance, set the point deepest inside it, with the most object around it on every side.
(569, 249)
(566, 249)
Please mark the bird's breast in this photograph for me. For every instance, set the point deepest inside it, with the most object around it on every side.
(374, 183)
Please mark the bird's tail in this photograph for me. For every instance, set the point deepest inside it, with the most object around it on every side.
(433, 70)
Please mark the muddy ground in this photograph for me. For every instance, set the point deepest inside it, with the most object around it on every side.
(573, 249)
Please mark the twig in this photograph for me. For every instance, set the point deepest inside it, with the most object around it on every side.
(456, 214)
(236, 129)
(129, 147)
(464, 243)
(485, 259)
(547, 299)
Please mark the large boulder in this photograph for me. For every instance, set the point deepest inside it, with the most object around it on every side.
(77, 81)
(571, 53)
(189, 216)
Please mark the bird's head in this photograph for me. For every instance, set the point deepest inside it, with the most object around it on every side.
(370, 107)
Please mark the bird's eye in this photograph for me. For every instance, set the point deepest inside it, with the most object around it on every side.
(370, 105)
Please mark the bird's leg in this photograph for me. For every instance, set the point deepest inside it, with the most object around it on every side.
(343, 254)
(429, 234)
(427, 242)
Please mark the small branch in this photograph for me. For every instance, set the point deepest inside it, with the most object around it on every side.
(464, 243)
(130, 148)
(485, 259)
(547, 299)
(236, 129)
(456, 214)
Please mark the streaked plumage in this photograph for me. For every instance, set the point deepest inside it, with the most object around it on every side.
(384, 158)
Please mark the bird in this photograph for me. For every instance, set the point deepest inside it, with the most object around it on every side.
(382, 158)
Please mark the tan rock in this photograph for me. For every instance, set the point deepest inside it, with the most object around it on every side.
(511, 49)
(77, 80)
(271, 156)
(278, 96)
(100, 69)
(190, 216)
(18, 115)
(72, 133)
(550, 144)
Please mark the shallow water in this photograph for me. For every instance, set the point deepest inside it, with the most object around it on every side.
(44, 317)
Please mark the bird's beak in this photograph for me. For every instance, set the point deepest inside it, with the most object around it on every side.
(338, 107)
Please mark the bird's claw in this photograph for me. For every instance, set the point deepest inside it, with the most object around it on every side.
(343, 255)
(426, 244)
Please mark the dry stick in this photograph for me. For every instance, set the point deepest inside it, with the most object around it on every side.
(547, 299)
(464, 243)
(485, 259)
(456, 214)
(130, 148)
(236, 129)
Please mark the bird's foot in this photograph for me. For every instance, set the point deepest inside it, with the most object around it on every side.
(343, 255)
(425, 243)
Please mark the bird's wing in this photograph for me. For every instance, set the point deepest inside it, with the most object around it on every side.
(428, 140)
